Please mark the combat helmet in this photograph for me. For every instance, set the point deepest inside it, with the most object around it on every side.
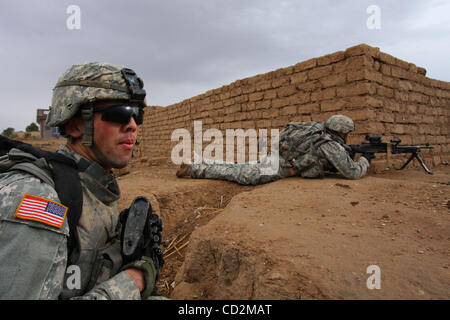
(85, 83)
(340, 123)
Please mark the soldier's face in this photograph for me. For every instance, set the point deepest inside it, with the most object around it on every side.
(113, 142)
(343, 136)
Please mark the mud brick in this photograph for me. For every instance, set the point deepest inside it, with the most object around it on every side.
(305, 65)
(309, 108)
(441, 139)
(324, 94)
(276, 83)
(235, 108)
(257, 96)
(428, 119)
(362, 49)
(398, 129)
(241, 99)
(391, 82)
(385, 69)
(333, 80)
(271, 113)
(411, 108)
(299, 77)
(400, 73)
(387, 58)
(309, 86)
(385, 92)
(225, 95)
(270, 94)
(228, 102)
(418, 97)
(386, 117)
(332, 105)
(288, 110)
(364, 114)
(300, 98)
(228, 118)
(331, 58)
(249, 124)
(248, 106)
(289, 70)
(278, 103)
(357, 88)
(286, 91)
(364, 75)
(429, 91)
(256, 114)
(405, 85)
(263, 124)
(436, 160)
(353, 63)
(235, 92)
(319, 72)
(280, 122)
(401, 118)
(401, 95)
(263, 85)
(265, 104)
(402, 64)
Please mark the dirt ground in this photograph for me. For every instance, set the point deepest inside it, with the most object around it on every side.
(299, 238)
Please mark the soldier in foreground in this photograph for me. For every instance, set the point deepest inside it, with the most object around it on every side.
(307, 149)
(44, 254)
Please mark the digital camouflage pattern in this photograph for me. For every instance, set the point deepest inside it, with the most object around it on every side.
(46, 247)
(340, 123)
(100, 81)
(322, 151)
(242, 173)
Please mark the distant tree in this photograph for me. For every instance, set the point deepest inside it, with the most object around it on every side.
(32, 127)
(9, 132)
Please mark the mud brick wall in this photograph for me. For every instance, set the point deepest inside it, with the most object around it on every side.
(382, 94)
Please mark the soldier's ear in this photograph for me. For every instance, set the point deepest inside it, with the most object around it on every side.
(75, 127)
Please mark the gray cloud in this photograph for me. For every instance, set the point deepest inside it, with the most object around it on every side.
(183, 48)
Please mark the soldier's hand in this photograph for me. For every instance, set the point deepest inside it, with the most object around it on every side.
(349, 151)
(147, 267)
(369, 156)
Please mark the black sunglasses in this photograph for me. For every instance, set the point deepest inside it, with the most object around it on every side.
(122, 113)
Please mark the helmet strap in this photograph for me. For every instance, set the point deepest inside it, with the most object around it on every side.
(87, 113)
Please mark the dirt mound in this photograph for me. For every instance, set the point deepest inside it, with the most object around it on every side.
(315, 239)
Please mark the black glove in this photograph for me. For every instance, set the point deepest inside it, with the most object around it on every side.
(141, 236)
(368, 155)
(349, 151)
(147, 267)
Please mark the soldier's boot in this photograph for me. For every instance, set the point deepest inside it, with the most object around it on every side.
(184, 171)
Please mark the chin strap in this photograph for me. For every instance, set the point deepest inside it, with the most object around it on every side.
(87, 113)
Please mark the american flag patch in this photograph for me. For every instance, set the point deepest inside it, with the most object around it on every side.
(41, 210)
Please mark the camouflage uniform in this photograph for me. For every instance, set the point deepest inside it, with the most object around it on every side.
(34, 255)
(326, 154)
(34, 262)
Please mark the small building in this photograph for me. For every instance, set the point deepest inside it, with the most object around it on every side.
(46, 132)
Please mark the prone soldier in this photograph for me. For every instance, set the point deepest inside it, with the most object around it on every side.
(306, 149)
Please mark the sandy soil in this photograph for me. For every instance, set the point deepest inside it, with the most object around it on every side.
(299, 238)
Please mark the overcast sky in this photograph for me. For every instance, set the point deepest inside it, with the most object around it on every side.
(182, 48)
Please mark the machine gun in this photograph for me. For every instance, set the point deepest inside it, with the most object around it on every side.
(141, 233)
(375, 145)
